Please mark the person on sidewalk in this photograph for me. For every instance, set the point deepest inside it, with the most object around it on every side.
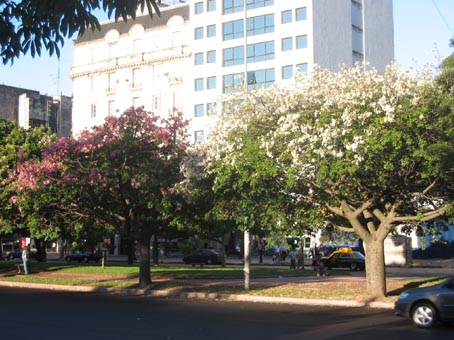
(319, 266)
(300, 261)
(293, 255)
(25, 254)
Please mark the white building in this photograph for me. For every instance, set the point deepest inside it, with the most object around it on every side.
(196, 50)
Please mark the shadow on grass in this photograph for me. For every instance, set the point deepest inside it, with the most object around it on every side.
(416, 284)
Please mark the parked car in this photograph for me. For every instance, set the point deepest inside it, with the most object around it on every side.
(204, 256)
(83, 257)
(17, 254)
(345, 258)
(427, 305)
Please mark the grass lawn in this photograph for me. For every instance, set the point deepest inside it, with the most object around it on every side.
(206, 279)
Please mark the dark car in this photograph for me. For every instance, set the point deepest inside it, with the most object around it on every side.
(345, 258)
(82, 257)
(204, 256)
(17, 254)
(427, 305)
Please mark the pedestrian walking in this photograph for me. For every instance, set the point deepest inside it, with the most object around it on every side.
(300, 262)
(293, 255)
(25, 254)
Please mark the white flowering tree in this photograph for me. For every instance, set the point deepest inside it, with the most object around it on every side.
(363, 151)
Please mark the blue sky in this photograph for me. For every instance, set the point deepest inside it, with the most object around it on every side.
(422, 29)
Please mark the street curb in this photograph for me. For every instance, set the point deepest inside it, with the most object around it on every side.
(201, 296)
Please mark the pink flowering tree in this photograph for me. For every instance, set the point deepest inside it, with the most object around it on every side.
(121, 173)
(17, 144)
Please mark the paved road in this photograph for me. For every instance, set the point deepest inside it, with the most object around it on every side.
(33, 314)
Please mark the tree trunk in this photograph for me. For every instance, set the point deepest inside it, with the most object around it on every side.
(247, 260)
(375, 268)
(155, 253)
(144, 269)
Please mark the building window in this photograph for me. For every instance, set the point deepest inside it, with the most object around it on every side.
(287, 72)
(287, 44)
(233, 56)
(232, 82)
(198, 110)
(156, 103)
(260, 25)
(136, 78)
(110, 108)
(211, 57)
(211, 83)
(258, 3)
(198, 84)
(93, 111)
(211, 5)
(198, 7)
(198, 33)
(233, 30)
(286, 17)
(301, 14)
(301, 41)
(136, 102)
(211, 31)
(260, 52)
(232, 6)
(211, 109)
(260, 78)
(199, 136)
(302, 67)
(198, 58)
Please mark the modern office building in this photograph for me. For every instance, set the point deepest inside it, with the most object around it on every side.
(30, 108)
(195, 51)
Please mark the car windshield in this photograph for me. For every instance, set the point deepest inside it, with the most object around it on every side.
(357, 254)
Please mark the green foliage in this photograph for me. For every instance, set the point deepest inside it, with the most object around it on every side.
(17, 144)
(28, 26)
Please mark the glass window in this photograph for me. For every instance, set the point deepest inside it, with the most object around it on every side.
(198, 110)
(198, 7)
(301, 41)
(198, 84)
(286, 17)
(199, 136)
(287, 44)
(258, 3)
(260, 25)
(233, 30)
(111, 108)
(211, 31)
(233, 56)
(93, 110)
(302, 67)
(198, 33)
(232, 6)
(198, 58)
(211, 109)
(232, 82)
(260, 78)
(211, 57)
(260, 52)
(287, 72)
(211, 83)
(211, 5)
(300, 14)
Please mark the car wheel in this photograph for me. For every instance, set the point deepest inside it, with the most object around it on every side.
(209, 261)
(86, 259)
(68, 259)
(353, 266)
(424, 315)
